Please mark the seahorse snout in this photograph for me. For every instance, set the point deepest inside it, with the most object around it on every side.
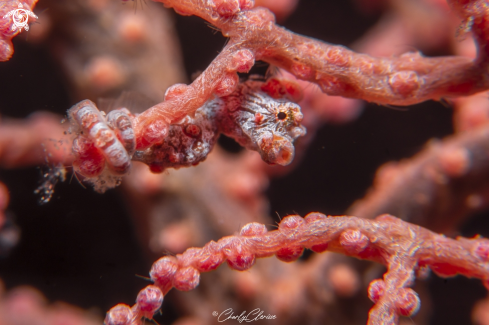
(276, 149)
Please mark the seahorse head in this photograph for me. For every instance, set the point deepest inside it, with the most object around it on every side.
(265, 124)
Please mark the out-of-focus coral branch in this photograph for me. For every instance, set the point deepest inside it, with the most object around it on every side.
(7, 30)
(128, 51)
(426, 189)
(33, 141)
(38, 140)
(4, 200)
(25, 305)
(438, 187)
(471, 112)
(402, 247)
(281, 8)
(405, 27)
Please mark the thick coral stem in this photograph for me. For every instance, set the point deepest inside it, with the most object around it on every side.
(408, 79)
(219, 78)
(404, 80)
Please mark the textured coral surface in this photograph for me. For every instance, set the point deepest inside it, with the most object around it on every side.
(85, 248)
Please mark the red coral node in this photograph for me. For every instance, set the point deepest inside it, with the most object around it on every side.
(227, 85)
(481, 250)
(338, 56)
(289, 254)
(447, 270)
(246, 4)
(227, 8)
(376, 290)
(89, 167)
(302, 71)
(253, 229)
(242, 61)
(279, 88)
(293, 90)
(163, 271)
(274, 88)
(175, 91)
(186, 278)
(404, 83)
(314, 216)
(353, 241)
(241, 261)
(90, 161)
(407, 302)
(291, 222)
(334, 85)
(120, 314)
(154, 132)
(157, 168)
(371, 252)
(192, 130)
(319, 248)
(149, 300)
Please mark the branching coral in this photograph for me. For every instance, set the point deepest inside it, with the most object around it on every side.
(182, 130)
(165, 136)
(410, 78)
(253, 35)
(402, 247)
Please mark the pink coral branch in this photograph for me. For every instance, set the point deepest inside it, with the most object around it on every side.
(253, 34)
(40, 139)
(33, 141)
(407, 79)
(402, 247)
(438, 188)
(180, 100)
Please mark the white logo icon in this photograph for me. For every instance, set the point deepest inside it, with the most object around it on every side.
(20, 18)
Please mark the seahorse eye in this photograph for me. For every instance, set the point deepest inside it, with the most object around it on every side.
(282, 115)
